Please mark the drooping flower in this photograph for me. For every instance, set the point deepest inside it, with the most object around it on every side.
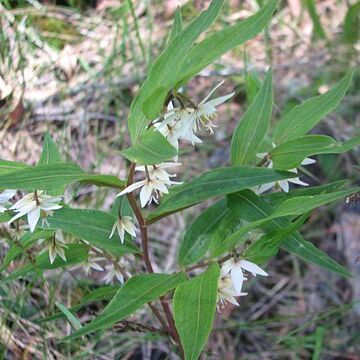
(5, 196)
(56, 246)
(236, 268)
(114, 272)
(92, 263)
(123, 224)
(227, 293)
(156, 183)
(35, 205)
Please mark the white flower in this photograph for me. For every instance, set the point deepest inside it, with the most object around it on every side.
(35, 205)
(92, 263)
(207, 112)
(114, 271)
(227, 293)
(236, 270)
(55, 246)
(5, 196)
(155, 184)
(122, 225)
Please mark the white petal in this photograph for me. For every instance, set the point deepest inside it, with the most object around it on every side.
(211, 92)
(33, 218)
(253, 268)
(121, 233)
(96, 266)
(60, 251)
(132, 187)
(113, 229)
(128, 225)
(145, 194)
(227, 266)
(52, 254)
(308, 161)
(7, 195)
(298, 182)
(237, 278)
(284, 185)
(220, 100)
(265, 187)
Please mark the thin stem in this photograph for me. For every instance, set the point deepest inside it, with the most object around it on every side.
(206, 263)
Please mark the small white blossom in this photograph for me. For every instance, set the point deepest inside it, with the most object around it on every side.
(5, 196)
(123, 224)
(92, 263)
(56, 246)
(114, 272)
(207, 112)
(35, 205)
(156, 183)
(227, 293)
(236, 270)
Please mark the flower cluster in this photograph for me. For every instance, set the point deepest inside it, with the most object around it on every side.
(55, 246)
(232, 278)
(182, 123)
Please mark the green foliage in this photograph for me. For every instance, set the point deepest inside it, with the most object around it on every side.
(351, 30)
(302, 118)
(213, 183)
(93, 226)
(253, 126)
(138, 291)
(152, 148)
(194, 310)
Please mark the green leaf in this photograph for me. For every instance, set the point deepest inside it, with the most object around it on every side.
(318, 29)
(136, 292)
(253, 126)
(302, 204)
(268, 245)
(4, 217)
(252, 85)
(73, 320)
(213, 183)
(50, 153)
(276, 198)
(302, 118)
(164, 72)
(100, 294)
(93, 226)
(220, 42)
(53, 177)
(10, 166)
(177, 26)
(75, 253)
(351, 30)
(199, 235)
(252, 208)
(26, 241)
(290, 154)
(152, 148)
(194, 310)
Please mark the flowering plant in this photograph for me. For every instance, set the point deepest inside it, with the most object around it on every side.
(218, 252)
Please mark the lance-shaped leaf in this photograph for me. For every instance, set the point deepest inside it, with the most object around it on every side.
(136, 292)
(93, 226)
(216, 182)
(194, 310)
(302, 204)
(302, 118)
(177, 26)
(199, 235)
(290, 154)
(10, 166)
(152, 148)
(351, 29)
(252, 208)
(50, 153)
(318, 29)
(75, 254)
(54, 177)
(164, 72)
(220, 42)
(253, 126)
